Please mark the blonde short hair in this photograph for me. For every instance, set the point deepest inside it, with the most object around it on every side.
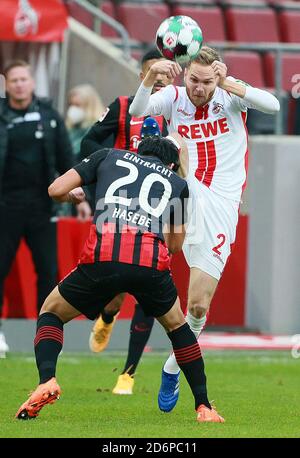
(91, 104)
(206, 56)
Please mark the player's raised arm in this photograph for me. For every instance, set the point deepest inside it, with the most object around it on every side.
(252, 97)
(66, 188)
(143, 103)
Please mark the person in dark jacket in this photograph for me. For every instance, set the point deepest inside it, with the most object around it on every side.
(119, 129)
(34, 149)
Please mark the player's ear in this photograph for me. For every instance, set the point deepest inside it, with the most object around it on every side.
(185, 74)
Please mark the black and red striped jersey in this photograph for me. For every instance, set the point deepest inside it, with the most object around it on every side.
(135, 197)
(117, 128)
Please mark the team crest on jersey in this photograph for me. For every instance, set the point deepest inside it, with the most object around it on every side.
(217, 108)
(135, 140)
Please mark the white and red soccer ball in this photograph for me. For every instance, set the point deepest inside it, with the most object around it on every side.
(179, 38)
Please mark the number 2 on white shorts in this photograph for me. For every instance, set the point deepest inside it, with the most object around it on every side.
(216, 248)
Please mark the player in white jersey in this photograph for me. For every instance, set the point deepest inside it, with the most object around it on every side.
(210, 114)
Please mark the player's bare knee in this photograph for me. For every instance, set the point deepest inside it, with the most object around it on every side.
(172, 325)
(198, 306)
(198, 310)
(57, 305)
(51, 306)
(173, 319)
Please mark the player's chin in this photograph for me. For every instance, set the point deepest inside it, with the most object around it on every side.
(158, 87)
(198, 100)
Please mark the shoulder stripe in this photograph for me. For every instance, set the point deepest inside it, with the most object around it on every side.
(176, 93)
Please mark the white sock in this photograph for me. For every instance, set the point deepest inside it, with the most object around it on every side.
(196, 325)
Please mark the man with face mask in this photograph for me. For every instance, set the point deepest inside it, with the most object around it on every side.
(118, 128)
(34, 146)
(210, 114)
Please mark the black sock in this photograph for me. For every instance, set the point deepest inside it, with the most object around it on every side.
(48, 343)
(107, 318)
(189, 359)
(140, 330)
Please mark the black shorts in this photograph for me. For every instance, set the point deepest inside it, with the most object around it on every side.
(90, 287)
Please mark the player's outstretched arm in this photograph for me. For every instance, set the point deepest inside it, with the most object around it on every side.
(66, 188)
(142, 105)
(175, 229)
(174, 237)
(252, 97)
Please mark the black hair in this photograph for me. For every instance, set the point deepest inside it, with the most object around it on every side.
(153, 53)
(161, 147)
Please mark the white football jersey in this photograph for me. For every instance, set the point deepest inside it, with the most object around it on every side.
(216, 136)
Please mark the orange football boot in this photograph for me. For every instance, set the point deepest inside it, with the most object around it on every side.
(204, 414)
(46, 393)
(100, 335)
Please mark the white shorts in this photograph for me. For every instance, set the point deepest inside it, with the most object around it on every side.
(211, 230)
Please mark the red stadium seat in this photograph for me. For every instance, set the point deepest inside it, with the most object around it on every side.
(289, 24)
(142, 20)
(209, 19)
(246, 66)
(252, 25)
(87, 19)
(80, 14)
(105, 30)
(290, 67)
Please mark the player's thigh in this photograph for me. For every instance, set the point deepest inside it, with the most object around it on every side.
(88, 288)
(115, 304)
(56, 304)
(211, 253)
(154, 290)
(220, 228)
(202, 287)
(173, 319)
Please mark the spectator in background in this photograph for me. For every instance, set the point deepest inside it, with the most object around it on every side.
(34, 148)
(84, 109)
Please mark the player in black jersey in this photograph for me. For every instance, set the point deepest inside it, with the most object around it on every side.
(116, 128)
(139, 219)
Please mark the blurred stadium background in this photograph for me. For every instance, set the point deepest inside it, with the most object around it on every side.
(100, 42)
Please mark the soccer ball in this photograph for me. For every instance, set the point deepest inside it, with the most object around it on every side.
(179, 38)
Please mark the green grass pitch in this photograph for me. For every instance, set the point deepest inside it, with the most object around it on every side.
(257, 393)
